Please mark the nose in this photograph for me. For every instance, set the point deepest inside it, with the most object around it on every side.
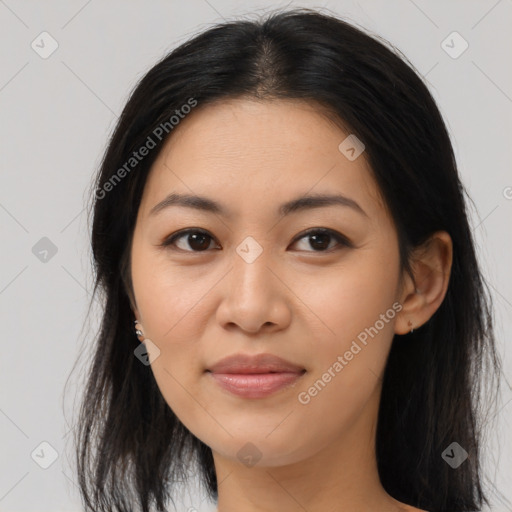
(254, 296)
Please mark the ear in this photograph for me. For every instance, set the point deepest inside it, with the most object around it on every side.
(421, 297)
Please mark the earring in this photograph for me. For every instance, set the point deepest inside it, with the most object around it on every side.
(138, 329)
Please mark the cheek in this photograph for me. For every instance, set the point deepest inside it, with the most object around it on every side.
(351, 297)
(168, 297)
(170, 303)
(354, 312)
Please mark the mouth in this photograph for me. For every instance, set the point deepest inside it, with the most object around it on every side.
(254, 376)
(255, 385)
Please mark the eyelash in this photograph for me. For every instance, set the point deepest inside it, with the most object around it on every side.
(342, 240)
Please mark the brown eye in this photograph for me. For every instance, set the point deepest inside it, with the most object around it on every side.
(321, 238)
(197, 240)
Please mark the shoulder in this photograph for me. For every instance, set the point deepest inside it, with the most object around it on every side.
(407, 508)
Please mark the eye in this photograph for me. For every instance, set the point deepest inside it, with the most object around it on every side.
(320, 238)
(199, 241)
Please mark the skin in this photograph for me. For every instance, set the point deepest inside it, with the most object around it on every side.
(296, 301)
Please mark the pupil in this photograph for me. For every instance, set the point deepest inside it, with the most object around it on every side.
(202, 238)
(324, 244)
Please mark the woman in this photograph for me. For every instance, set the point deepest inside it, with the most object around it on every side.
(292, 298)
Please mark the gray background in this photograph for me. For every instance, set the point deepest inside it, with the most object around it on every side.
(56, 114)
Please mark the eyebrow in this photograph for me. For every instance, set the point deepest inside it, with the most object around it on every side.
(302, 203)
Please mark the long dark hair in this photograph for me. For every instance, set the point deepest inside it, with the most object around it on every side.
(130, 446)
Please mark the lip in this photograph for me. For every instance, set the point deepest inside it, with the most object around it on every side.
(258, 363)
(254, 376)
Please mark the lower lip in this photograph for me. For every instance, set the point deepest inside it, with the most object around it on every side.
(256, 385)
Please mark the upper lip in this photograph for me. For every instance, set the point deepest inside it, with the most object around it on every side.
(259, 363)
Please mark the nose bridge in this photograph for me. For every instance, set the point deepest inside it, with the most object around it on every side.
(250, 273)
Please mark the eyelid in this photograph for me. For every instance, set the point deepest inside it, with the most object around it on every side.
(169, 241)
(341, 239)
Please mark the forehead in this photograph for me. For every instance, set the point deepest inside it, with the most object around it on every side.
(253, 153)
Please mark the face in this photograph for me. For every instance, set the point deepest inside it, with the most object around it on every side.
(317, 284)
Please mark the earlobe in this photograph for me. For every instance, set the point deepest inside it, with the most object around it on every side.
(431, 264)
(138, 330)
(137, 325)
(408, 320)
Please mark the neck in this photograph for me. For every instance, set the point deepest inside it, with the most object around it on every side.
(341, 476)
